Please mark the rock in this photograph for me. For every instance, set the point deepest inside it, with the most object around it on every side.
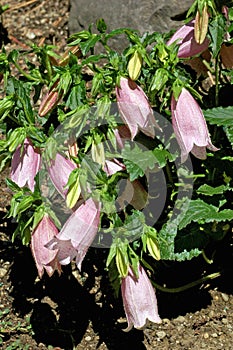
(3, 272)
(142, 15)
(225, 297)
(161, 334)
(180, 319)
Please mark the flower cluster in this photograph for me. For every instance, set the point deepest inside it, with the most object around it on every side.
(105, 159)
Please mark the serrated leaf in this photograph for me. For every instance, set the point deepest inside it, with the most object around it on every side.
(200, 211)
(220, 116)
(229, 133)
(137, 161)
(187, 255)
(210, 191)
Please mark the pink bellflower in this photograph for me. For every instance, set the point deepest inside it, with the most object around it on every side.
(59, 171)
(188, 46)
(45, 258)
(25, 165)
(190, 126)
(135, 109)
(139, 300)
(77, 234)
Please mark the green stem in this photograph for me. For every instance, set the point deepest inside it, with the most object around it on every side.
(169, 174)
(205, 258)
(217, 81)
(48, 67)
(186, 286)
(26, 75)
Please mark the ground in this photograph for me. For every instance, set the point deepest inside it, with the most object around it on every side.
(79, 311)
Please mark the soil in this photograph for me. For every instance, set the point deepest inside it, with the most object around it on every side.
(79, 310)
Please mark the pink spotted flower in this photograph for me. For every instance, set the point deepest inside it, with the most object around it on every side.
(135, 109)
(25, 165)
(45, 258)
(190, 126)
(77, 234)
(139, 299)
(188, 46)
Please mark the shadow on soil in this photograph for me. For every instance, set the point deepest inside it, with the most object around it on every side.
(61, 308)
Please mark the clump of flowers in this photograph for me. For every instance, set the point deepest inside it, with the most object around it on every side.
(91, 155)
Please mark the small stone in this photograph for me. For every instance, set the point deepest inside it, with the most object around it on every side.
(88, 338)
(225, 321)
(3, 272)
(166, 321)
(30, 35)
(180, 319)
(225, 297)
(206, 335)
(161, 334)
(211, 314)
(214, 335)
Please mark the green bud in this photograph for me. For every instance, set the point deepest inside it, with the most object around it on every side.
(135, 65)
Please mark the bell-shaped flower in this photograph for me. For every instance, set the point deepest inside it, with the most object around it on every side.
(188, 46)
(190, 126)
(135, 109)
(139, 299)
(45, 258)
(25, 165)
(77, 234)
(59, 171)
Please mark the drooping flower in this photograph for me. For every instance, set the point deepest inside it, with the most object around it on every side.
(190, 126)
(25, 165)
(139, 299)
(45, 258)
(59, 171)
(135, 109)
(188, 46)
(77, 234)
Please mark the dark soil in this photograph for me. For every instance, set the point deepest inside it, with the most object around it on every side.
(79, 311)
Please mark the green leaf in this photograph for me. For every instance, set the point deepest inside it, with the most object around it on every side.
(101, 25)
(217, 31)
(89, 44)
(200, 211)
(210, 191)
(220, 116)
(137, 161)
(229, 133)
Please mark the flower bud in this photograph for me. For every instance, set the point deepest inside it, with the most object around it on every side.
(201, 25)
(50, 100)
(135, 65)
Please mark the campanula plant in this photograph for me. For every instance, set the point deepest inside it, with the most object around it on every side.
(130, 152)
